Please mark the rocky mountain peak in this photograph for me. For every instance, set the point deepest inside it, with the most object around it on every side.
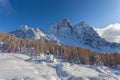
(83, 24)
(63, 28)
(65, 23)
(24, 27)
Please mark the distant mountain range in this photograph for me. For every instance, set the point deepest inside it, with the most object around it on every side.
(80, 35)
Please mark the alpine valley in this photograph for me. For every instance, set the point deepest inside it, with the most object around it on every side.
(63, 52)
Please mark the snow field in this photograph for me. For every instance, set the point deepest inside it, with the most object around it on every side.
(15, 66)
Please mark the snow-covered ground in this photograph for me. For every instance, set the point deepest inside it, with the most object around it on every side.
(15, 66)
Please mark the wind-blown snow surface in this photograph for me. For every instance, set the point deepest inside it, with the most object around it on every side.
(21, 67)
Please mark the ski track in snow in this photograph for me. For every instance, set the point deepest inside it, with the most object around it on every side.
(15, 66)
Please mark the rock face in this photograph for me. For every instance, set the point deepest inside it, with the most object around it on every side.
(87, 35)
(66, 34)
(63, 28)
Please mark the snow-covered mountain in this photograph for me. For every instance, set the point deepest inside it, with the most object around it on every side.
(33, 33)
(86, 34)
(28, 32)
(80, 35)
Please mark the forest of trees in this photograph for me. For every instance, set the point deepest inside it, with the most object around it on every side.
(67, 53)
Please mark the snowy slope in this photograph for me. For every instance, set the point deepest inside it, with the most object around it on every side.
(14, 67)
(21, 67)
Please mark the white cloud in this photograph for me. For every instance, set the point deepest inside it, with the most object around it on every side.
(5, 6)
(110, 33)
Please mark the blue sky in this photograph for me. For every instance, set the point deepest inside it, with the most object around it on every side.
(41, 13)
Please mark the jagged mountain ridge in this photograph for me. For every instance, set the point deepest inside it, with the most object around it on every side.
(81, 32)
(28, 32)
(33, 33)
(80, 35)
